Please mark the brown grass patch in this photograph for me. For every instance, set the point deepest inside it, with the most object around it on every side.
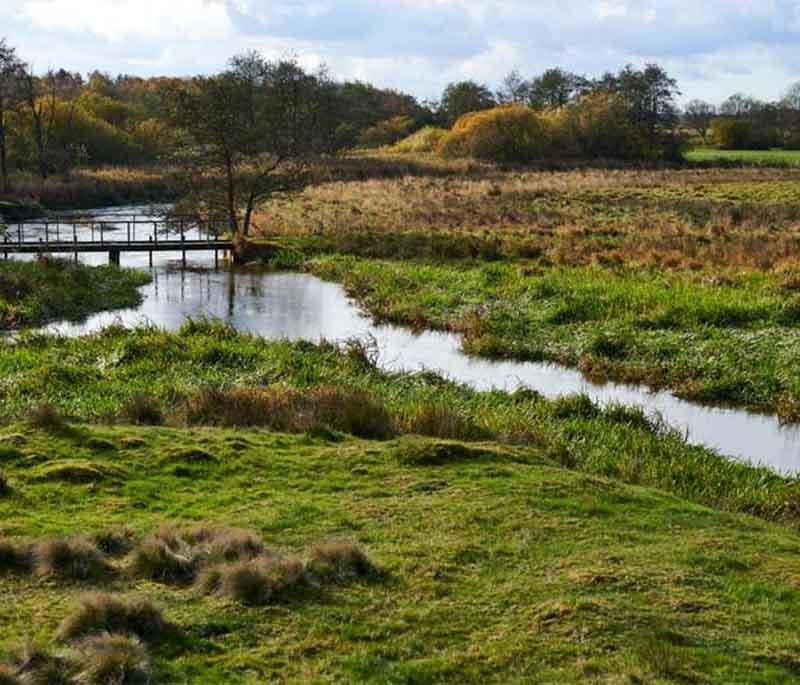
(75, 558)
(112, 660)
(14, 558)
(289, 410)
(340, 560)
(257, 582)
(46, 417)
(98, 614)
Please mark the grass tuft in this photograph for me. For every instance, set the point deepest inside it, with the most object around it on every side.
(215, 544)
(256, 582)
(14, 558)
(142, 410)
(340, 560)
(349, 411)
(38, 667)
(113, 660)
(441, 420)
(73, 471)
(98, 614)
(413, 452)
(46, 416)
(115, 542)
(164, 558)
(75, 558)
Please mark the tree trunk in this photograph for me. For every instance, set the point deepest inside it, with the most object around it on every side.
(4, 185)
(232, 217)
(248, 215)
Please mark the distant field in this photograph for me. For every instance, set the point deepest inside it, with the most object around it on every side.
(710, 154)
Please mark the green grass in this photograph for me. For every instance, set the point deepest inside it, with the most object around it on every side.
(498, 567)
(766, 157)
(718, 337)
(36, 292)
(96, 379)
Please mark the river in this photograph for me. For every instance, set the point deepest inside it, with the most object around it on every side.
(300, 306)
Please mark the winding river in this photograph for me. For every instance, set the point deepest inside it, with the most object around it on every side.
(300, 306)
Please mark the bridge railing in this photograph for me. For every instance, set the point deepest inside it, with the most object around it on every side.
(133, 229)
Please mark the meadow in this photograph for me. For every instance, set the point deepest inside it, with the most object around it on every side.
(205, 505)
(775, 156)
(684, 279)
(474, 563)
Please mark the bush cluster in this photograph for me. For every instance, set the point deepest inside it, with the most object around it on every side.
(598, 126)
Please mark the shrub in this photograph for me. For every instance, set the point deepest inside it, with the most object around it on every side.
(74, 558)
(14, 558)
(340, 560)
(425, 140)
(5, 486)
(142, 410)
(503, 134)
(598, 127)
(743, 134)
(113, 660)
(257, 582)
(98, 614)
(386, 132)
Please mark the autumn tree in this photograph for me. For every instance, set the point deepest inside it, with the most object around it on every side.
(250, 132)
(11, 69)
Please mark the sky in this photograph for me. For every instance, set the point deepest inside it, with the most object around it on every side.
(713, 47)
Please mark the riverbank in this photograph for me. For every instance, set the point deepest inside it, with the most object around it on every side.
(93, 188)
(488, 560)
(156, 376)
(33, 293)
(726, 338)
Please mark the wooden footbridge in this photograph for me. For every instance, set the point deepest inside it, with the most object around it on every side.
(115, 235)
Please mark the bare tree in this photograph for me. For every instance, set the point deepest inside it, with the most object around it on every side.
(515, 89)
(700, 115)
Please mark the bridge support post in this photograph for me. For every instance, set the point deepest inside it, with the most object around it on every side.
(216, 259)
(150, 253)
(113, 256)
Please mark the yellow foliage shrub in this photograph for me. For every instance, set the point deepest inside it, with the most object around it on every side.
(512, 133)
(425, 140)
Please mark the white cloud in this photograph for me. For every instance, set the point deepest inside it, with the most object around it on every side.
(712, 47)
(118, 20)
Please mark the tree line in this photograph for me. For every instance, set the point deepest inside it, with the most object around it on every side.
(746, 123)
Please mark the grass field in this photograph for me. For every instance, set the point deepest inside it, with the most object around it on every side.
(263, 511)
(766, 157)
(494, 565)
